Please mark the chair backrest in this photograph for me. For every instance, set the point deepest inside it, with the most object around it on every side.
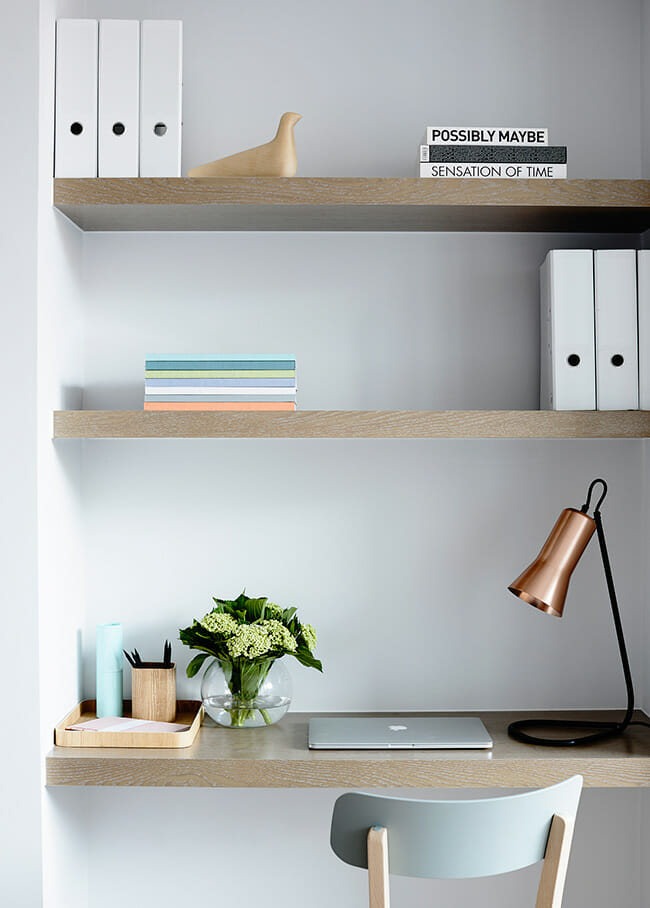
(453, 839)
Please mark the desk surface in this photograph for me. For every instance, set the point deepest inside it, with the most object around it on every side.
(278, 757)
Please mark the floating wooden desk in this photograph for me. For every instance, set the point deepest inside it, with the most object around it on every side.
(278, 757)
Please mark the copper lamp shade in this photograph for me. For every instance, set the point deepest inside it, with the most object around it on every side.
(545, 582)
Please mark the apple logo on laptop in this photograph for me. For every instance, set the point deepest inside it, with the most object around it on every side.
(397, 727)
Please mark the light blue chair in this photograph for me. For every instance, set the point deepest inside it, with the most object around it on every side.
(458, 839)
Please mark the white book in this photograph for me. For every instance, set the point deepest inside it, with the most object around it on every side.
(161, 64)
(617, 370)
(75, 128)
(119, 98)
(643, 298)
(486, 135)
(506, 171)
(568, 350)
(199, 390)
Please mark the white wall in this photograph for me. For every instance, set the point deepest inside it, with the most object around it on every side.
(644, 842)
(368, 79)
(645, 85)
(61, 563)
(643, 695)
(422, 534)
(61, 566)
(400, 552)
(20, 857)
(645, 121)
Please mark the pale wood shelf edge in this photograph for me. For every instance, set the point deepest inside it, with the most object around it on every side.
(355, 203)
(353, 424)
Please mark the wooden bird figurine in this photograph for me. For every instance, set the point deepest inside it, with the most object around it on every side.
(276, 158)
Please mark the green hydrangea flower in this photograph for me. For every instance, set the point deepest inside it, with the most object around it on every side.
(218, 623)
(249, 641)
(279, 636)
(273, 610)
(309, 636)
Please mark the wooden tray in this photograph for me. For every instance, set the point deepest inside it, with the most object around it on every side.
(188, 712)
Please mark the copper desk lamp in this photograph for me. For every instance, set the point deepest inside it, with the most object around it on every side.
(544, 584)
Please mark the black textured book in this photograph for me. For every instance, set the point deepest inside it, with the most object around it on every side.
(487, 154)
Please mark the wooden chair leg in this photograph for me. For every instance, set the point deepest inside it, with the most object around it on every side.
(556, 862)
(378, 867)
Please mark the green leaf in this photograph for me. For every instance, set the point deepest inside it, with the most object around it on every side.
(186, 634)
(255, 609)
(197, 637)
(196, 664)
(305, 658)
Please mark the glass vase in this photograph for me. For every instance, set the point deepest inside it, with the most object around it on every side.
(243, 694)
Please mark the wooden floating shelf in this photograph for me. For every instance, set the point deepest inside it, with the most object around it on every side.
(357, 203)
(278, 757)
(353, 424)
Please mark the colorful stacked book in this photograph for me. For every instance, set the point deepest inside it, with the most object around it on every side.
(220, 382)
(491, 152)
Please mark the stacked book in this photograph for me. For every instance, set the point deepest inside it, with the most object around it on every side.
(220, 382)
(491, 152)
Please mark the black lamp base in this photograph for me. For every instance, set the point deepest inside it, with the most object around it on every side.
(595, 731)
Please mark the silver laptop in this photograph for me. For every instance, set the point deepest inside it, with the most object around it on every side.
(399, 733)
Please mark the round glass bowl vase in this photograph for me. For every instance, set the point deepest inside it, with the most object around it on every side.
(245, 695)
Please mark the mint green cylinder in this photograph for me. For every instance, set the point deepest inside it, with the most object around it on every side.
(109, 690)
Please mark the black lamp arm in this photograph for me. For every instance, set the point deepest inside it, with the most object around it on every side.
(617, 622)
(599, 731)
(587, 504)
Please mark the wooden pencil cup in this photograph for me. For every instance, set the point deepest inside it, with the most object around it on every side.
(154, 692)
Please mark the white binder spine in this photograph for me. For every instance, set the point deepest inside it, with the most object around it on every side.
(161, 61)
(568, 361)
(119, 98)
(75, 130)
(617, 372)
(643, 285)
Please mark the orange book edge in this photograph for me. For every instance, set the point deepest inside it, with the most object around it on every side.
(234, 405)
